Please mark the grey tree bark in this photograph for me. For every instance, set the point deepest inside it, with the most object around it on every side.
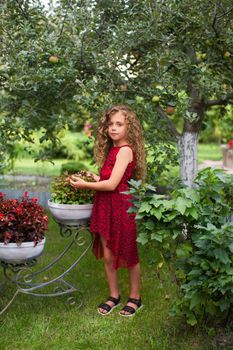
(188, 149)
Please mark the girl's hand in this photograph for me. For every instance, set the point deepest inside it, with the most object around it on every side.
(96, 177)
(77, 182)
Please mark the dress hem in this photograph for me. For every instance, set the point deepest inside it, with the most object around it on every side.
(98, 252)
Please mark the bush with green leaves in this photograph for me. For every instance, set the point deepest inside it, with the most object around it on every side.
(72, 167)
(162, 163)
(189, 231)
(62, 192)
(205, 267)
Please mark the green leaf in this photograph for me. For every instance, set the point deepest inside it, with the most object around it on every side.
(142, 238)
(157, 212)
(150, 187)
(229, 270)
(171, 216)
(221, 255)
(149, 225)
(193, 212)
(191, 319)
(195, 272)
(231, 247)
(224, 304)
(184, 250)
(131, 210)
(139, 216)
(196, 300)
(145, 207)
(156, 237)
(181, 205)
(175, 234)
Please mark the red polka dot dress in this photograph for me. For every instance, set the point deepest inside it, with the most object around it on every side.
(110, 218)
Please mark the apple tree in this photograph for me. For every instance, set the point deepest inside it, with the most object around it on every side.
(175, 54)
(171, 60)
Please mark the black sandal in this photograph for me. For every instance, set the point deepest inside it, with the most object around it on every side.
(107, 307)
(131, 310)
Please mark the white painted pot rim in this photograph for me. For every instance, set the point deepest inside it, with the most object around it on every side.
(69, 206)
(23, 244)
(17, 254)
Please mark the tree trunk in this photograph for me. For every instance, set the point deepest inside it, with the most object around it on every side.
(188, 141)
(188, 146)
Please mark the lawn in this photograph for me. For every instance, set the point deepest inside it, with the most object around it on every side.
(27, 165)
(211, 151)
(49, 323)
(33, 323)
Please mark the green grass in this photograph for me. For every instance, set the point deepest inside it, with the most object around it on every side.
(27, 166)
(33, 323)
(210, 151)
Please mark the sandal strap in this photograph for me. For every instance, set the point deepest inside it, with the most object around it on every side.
(114, 300)
(105, 307)
(129, 309)
(137, 302)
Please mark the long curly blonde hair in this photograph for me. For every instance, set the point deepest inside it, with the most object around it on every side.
(135, 138)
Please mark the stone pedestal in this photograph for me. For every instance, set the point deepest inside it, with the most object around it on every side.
(227, 156)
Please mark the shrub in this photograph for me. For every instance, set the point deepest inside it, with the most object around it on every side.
(72, 167)
(188, 230)
(207, 270)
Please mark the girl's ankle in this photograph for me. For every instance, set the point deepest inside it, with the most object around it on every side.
(115, 295)
(134, 296)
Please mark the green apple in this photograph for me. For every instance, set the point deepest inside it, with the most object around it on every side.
(155, 98)
(227, 54)
(139, 99)
(53, 59)
(199, 55)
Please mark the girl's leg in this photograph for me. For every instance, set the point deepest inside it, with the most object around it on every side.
(134, 277)
(110, 272)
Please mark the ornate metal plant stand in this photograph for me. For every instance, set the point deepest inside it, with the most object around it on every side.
(29, 282)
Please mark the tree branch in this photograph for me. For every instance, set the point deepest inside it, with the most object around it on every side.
(22, 10)
(221, 101)
(62, 27)
(214, 21)
(171, 125)
(226, 13)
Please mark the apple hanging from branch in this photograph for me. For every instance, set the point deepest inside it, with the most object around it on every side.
(170, 110)
(53, 59)
(155, 99)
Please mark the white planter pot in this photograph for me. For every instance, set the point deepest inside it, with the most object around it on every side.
(13, 253)
(70, 214)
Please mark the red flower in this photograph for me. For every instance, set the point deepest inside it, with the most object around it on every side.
(230, 144)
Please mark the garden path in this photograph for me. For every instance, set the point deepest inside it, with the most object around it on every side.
(215, 164)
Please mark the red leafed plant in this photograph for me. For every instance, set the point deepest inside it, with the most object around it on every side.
(21, 220)
(230, 144)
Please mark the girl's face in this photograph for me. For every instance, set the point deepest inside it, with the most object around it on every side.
(117, 129)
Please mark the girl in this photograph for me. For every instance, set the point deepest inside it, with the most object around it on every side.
(119, 149)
